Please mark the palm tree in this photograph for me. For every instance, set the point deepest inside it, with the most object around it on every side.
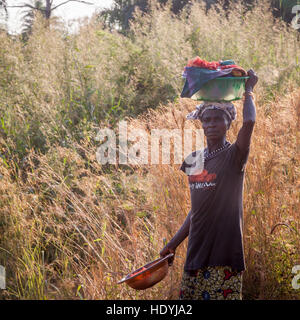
(45, 7)
(29, 16)
(3, 5)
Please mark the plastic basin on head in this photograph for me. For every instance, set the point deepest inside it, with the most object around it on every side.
(222, 89)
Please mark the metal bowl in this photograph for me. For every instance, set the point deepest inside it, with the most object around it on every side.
(148, 275)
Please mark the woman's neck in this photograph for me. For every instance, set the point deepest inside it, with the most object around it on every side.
(213, 145)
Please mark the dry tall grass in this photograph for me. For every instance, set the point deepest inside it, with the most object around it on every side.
(70, 228)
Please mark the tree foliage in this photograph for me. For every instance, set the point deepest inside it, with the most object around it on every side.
(283, 8)
(121, 12)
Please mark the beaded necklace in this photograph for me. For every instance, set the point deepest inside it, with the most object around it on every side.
(209, 155)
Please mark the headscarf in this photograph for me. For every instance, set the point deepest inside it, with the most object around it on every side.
(227, 107)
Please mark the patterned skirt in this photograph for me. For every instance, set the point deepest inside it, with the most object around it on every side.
(211, 283)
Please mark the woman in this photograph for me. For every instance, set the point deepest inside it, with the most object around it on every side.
(215, 258)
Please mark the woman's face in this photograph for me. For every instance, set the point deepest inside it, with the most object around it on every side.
(215, 124)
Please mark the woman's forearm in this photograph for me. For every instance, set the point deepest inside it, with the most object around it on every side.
(249, 112)
(249, 116)
(182, 233)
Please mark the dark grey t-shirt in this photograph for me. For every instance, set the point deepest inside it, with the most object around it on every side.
(216, 221)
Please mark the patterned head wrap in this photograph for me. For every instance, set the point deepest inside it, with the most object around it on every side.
(227, 107)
